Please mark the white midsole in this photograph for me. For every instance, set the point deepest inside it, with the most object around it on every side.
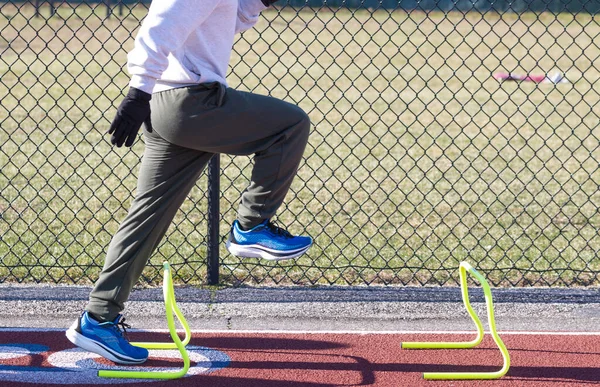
(89, 345)
(256, 251)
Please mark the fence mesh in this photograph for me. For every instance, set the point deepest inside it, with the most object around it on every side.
(418, 158)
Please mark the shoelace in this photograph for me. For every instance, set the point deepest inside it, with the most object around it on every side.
(278, 230)
(120, 327)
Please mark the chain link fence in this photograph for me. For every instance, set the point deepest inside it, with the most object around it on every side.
(418, 157)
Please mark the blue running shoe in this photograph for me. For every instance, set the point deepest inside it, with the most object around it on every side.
(266, 241)
(106, 339)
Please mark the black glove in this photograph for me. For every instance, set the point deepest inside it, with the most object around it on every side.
(268, 3)
(133, 111)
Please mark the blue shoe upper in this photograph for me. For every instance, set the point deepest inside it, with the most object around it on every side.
(270, 236)
(110, 335)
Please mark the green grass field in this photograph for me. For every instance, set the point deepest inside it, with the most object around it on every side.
(418, 158)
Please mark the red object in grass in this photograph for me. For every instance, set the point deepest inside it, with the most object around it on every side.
(537, 78)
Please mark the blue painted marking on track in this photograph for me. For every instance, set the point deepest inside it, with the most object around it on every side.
(31, 348)
(13, 368)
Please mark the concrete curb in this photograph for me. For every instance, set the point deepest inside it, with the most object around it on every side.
(316, 308)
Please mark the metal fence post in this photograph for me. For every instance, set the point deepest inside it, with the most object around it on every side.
(212, 251)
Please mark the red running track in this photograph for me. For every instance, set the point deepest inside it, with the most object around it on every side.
(311, 359)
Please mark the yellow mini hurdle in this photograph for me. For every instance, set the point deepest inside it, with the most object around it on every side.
(464, 268)
(171, 308)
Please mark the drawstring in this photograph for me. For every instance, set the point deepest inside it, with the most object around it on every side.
(216, 97)
(221, 94)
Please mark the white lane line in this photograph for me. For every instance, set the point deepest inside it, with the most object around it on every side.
(293, 332)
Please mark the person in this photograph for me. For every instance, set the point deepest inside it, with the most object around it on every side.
(179, 94)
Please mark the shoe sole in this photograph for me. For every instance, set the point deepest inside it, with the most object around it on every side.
(255, 251)
(93, 346)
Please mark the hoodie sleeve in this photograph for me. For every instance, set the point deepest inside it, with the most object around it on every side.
(248, 13)
(165, 29)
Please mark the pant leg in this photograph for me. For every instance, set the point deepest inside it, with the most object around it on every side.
(167, 174)
(189, 126)
(275, 163)
(213, 119)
